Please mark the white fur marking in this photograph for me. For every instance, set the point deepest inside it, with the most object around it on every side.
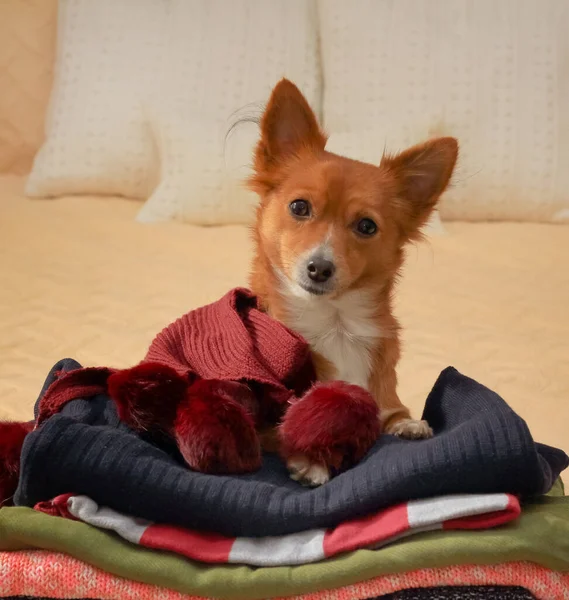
(411, 429)
(324, 249)
(343, 330)
(307, 473)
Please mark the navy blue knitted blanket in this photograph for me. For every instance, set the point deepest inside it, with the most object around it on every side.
(480, 446)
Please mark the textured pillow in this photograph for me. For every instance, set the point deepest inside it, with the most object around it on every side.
(98, 137)
(146, 93)
(495, 74)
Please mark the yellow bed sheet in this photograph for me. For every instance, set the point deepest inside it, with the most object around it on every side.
(80, 278)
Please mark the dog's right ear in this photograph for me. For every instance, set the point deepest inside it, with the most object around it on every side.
(421, 175)
(288, 127)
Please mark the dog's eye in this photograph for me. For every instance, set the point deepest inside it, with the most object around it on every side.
(299, 208)
(366, 227)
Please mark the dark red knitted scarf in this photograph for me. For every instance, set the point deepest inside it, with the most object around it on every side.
(216, 382)
(228, 340)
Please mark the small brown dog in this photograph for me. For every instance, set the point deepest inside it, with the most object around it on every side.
(329, 240)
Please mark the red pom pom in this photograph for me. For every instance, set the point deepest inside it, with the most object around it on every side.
(334, 423)
(230, 390)
(147, 395)
(11, 441)
(216, 432)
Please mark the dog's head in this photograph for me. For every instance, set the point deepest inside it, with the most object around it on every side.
(327, 223)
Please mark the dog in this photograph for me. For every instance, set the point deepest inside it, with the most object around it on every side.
(329, 240)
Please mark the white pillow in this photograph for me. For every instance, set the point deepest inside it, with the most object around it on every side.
(98, 138)
(492, 73)
(146, 92)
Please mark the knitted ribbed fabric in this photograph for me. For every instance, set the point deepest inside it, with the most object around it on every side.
(230, 339)
(480, 446)
(454, 593)
(478, 592)
(39, 574)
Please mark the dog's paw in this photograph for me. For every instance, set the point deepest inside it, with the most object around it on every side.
(332, 427)
(306, 472)
(410, 429)
(216, 433)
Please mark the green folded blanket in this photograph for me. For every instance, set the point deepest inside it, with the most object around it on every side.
(541, 535)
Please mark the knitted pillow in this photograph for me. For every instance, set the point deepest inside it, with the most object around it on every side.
(493, 74)
(474, 592)
(146, 92)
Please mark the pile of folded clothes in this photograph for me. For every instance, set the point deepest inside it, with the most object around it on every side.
(103, 512)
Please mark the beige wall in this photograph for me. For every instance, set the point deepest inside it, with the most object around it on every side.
(27, 48)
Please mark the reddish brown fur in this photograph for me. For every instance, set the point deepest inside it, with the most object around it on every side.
(291, 162)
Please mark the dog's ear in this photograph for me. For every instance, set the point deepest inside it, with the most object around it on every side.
(289, 124)
(421, 175)
(288, 127)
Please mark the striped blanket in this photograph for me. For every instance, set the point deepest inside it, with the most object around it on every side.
(373, 531)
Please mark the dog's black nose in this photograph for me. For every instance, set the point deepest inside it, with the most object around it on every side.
(320, 269)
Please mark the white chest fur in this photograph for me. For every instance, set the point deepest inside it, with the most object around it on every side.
(342, 330)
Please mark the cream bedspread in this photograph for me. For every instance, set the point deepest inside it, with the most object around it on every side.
(80, 278)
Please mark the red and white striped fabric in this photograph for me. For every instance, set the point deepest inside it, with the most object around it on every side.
(374, 531)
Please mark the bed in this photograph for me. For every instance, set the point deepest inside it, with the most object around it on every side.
(81, 278)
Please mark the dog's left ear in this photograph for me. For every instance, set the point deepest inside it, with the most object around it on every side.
(288, 127)
(421, 175)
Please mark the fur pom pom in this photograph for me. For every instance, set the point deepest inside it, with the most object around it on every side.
(333, 424)
(147, 395)
(216, 432)
(11, 441)
(229, 390)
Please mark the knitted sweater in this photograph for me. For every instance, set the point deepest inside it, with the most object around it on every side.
(480, 446)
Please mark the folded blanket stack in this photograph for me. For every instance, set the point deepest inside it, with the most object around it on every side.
(82, 463)
(539, 536)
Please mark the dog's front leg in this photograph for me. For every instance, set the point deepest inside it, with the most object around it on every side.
(395, 416)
